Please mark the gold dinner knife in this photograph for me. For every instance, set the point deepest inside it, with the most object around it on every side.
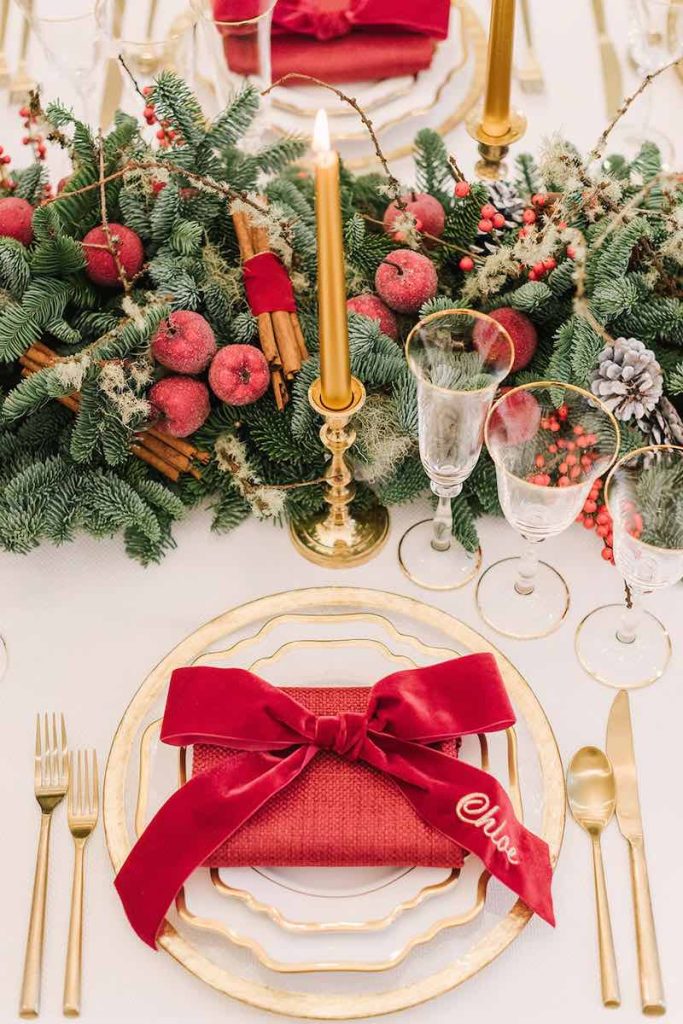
(113, 80)
(622, 755)
(611, 68)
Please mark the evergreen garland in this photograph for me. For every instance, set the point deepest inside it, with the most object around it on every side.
(615, 236)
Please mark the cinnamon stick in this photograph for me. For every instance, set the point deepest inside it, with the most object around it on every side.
(299, 335)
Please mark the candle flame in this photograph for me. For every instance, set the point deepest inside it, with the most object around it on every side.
(321, 133)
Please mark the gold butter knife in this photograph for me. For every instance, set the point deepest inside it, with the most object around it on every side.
(622, 755)
(611, 68)
(113, 79)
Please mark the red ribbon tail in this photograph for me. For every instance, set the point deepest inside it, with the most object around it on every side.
(190, 825)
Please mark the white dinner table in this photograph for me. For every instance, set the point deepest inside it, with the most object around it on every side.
(84, 625)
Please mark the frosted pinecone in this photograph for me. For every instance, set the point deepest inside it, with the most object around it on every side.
(663, 425)
(628, 379)
(507, 199)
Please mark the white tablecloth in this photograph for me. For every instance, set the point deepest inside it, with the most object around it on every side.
(84, 625)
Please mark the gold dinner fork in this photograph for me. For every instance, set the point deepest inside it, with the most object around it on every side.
(529, 73)
(51, 780)
(82, 808)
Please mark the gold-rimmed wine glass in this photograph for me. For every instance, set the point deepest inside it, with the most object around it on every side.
(549, 441)
(623, 645)
(458, 358)
(233, 46)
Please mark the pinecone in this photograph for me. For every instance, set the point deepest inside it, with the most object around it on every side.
(507, 199)
(628, 379)
(663, 425)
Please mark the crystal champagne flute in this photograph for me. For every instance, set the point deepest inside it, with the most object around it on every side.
(458, 358)
(549, 442)
(624, 645)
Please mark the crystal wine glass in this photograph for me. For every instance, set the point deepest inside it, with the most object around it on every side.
(149, 37)
(458, 358)
(623, 645)
(56, 30)
(232, 45)
(549, 442)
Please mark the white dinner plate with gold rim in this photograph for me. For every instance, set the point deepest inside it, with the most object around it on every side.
(451, 956)
(295, 106)
(440, 98)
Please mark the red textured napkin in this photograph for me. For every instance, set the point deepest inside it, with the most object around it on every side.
(340, 40)
(336, 812)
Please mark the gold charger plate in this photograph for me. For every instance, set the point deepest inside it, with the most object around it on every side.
(351, 1003)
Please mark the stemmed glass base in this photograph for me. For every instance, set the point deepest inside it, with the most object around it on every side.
(435, 568)
(625, 664)
(524, 614)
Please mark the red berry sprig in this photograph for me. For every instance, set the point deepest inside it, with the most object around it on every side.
(569, 451)
(32, 137)
(165, 134)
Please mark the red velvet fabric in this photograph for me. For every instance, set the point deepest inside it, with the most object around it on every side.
(340, 40)
(267, 285)
(339, 812)
(407, 714)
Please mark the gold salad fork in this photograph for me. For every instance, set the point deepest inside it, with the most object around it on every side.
(82, 809)
(51, 780)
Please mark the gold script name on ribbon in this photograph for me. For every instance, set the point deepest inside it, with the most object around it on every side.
(475, 809)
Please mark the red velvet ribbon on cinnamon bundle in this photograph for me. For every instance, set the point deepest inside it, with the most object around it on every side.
(408, 712)
(267, 285)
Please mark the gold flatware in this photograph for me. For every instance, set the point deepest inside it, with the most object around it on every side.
(82, 810)
(611, 68)
(529, 73)
(51, 779)
(4, 66)
(113, 79)
(622, 755)
(590, 789)
(22, 83)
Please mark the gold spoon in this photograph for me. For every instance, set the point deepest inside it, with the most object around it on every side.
(592, 799)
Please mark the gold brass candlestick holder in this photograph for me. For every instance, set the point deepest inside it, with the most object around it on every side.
(336, 537)
(494, 148)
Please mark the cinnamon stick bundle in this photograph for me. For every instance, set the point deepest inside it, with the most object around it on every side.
(280, 335)
(169, 455)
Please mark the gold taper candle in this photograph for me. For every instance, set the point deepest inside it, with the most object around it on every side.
(335, 365)
(496, 118)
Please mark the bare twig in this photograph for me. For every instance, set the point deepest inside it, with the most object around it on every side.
(113, 249)
(432, 238)
(599, 147)
(132, 78)
(393, 181)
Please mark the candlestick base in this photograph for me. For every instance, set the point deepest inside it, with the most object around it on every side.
(494, 148)
(335, 537)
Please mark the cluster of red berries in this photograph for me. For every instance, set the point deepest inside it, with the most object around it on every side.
(32, 137)
(567, 458)
(165, 134)
(594, 516)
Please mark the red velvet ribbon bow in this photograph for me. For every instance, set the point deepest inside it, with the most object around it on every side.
(329, 19)
(407, 713)
(267, 284)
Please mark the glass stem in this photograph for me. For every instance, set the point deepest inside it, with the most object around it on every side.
(631, 618)
(528, 567)
(442, 525)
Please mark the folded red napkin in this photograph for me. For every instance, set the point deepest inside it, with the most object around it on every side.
(338, 812)
(338, 40)
(399, 734)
